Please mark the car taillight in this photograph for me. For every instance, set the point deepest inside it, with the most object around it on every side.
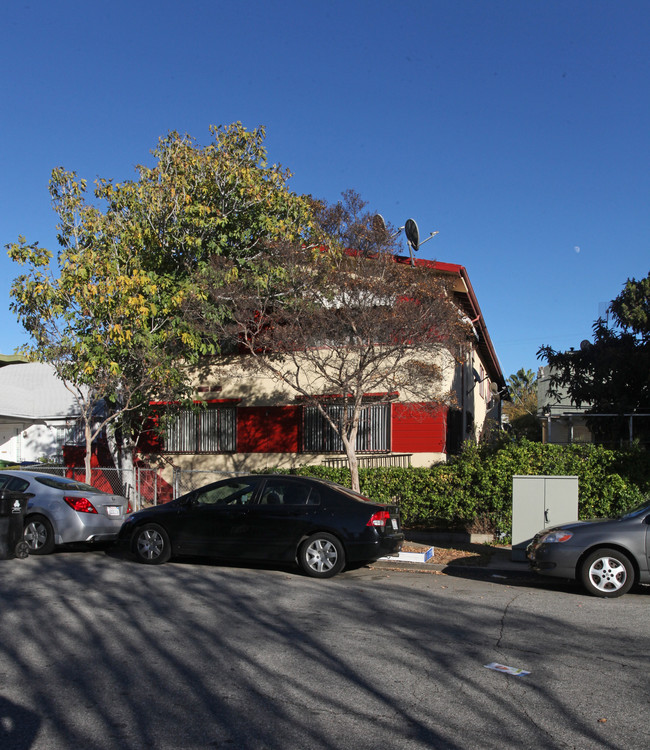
(80, 504)
(129, 509)
(379, 518)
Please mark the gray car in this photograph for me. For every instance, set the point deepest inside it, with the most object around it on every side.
(607, 556)
(62, 510)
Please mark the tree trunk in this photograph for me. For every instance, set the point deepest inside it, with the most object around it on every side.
(348, 433)
(354, 471)
(353, 463)
(128, 474)
(122, 452)
(89, 451)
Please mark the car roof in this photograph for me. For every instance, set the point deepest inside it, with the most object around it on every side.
(24, 474)
(28, 474)
(293, 477)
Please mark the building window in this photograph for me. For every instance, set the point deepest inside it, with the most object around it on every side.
(67, 435)
(74, 433)
(208, 430)
(373, 434)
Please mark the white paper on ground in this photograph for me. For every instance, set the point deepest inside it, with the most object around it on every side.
(507, 670)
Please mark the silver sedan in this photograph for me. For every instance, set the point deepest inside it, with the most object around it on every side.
(62, 510)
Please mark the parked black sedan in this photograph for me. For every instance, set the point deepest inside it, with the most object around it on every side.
(320, 525)
(607, 556)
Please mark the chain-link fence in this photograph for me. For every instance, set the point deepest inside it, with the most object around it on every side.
(141, 486)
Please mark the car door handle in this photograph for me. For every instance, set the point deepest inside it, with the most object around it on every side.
(239, 513)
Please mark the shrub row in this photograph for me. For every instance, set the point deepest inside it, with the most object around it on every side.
(474, 491)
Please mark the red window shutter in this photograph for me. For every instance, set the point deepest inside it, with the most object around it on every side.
(268, 429)
(419, 428)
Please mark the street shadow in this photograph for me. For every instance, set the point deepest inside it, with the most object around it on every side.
(18, 726)
(109, 654)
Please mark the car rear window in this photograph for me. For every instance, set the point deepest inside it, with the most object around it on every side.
(351, 493)
(63, 483)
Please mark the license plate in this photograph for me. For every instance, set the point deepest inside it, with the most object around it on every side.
(113, 510)
(394, 522)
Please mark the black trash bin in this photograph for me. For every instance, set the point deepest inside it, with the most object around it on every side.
(12, 517)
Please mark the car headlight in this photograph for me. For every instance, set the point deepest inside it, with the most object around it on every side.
(555, 537)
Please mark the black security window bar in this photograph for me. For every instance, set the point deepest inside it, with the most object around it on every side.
(208, 430)
(373, 434)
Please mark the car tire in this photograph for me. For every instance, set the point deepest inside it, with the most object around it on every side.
(321, 556)
(151, 545)
(38, 535)
(607, 573)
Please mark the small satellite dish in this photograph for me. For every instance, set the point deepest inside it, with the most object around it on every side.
(412, 233)
(378, 223)
(585, 345)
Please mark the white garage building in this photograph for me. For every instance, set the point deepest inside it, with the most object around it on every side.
(37, 412)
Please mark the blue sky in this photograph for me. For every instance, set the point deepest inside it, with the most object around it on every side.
(517, 129)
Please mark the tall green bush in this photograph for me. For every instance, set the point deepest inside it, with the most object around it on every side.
(474, 491)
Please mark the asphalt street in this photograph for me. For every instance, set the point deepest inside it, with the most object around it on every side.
(97, 651)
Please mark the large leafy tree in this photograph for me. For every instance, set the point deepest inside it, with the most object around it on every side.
(337, 326)
(611, 374)
(107, 310)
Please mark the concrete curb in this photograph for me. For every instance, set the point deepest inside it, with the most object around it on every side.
(500, 565)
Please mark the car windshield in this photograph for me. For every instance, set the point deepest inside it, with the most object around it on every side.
(639, 510)
(63, 483)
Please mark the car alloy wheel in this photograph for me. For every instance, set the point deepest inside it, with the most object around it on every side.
(39, 535)
(321, 556)
(607, 573)
(151, 545)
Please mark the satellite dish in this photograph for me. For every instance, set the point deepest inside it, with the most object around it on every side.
(585, 345)
(412, 233)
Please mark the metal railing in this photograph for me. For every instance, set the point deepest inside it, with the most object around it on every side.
(401, 460)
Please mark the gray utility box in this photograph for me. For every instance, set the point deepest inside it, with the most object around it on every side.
(537, 503)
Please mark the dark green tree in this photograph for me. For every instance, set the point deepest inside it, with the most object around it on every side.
(611, 374)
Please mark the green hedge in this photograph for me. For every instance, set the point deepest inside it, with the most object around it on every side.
(474, 491)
